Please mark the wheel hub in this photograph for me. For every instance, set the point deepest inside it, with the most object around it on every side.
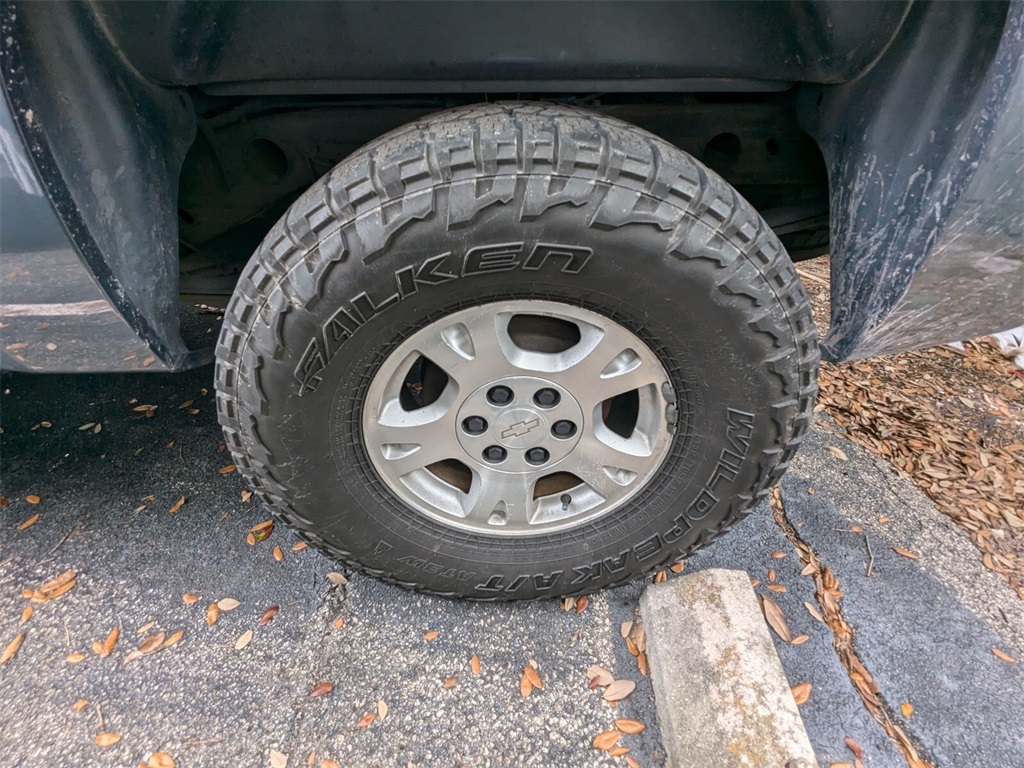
(517, 425)
(517, 417)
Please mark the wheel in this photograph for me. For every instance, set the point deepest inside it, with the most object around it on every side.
(516, 351)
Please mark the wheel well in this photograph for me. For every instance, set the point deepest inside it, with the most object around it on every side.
(253, 156)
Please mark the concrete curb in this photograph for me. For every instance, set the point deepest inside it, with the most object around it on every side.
(723, 700)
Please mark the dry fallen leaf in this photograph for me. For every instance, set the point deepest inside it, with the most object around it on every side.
(152, 642)
(108, 739)
(54, 588)
(145, 628)
(801, 639)
(906, 709)
(854, 747)
(639, 636)
(188, 599)
(581, 603)
(26, 614)
(339, 622)
(677, 567)
(600, 674)
(321, 689)
(74, 658)
(632, 762)
(227, 470)
(432, 635)
(212, 612)
(177, 505)
(606, 740)
(626, 628)
(32, 499)
(110, 642)
(450, 682)
(12, 648)
(837, 452)
(1004, 656)
(278, 554)
(174, 639)
(328, 763)
(29, 522)
(525, 686)
(228, 604)
(659, 578)
(160, 760)
(641, 663)
(618, 690)
(811, 609)
(905, 553)
(630, 726)
(474, 664)
(80, 704)
(618, 751)
(801, 692)
(246, 495)
(773, 614)
(776, 588)
(382, 710)
(778, 555)
(299, 547)
(269, 614)
(366, 720)
(278, 759)
(808, 569)
(260, 531)
(337, 579)
(244, 639)
(533, 676)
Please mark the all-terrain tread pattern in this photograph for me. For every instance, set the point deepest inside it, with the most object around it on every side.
(558, 156)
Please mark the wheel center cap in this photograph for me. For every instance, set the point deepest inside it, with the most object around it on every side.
(518, 424)
(520, 428)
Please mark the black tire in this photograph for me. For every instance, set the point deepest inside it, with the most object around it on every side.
(678, 258)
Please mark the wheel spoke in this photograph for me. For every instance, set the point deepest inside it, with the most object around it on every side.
(608, 467)
(496, 496)
(611, 366)
(470, 352)
(408, 440)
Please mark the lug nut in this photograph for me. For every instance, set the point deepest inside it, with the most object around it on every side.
(537, 455)
(546, 398)
(495, 453)
(499, 395)
(475, 425)
(563, 429)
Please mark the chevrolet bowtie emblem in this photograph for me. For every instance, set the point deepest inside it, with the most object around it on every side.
(519, 429)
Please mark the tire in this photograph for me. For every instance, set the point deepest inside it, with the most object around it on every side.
(491, 206)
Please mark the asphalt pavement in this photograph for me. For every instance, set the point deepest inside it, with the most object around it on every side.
(924, 628)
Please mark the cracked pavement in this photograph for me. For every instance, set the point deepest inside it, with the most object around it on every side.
(924, 628)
